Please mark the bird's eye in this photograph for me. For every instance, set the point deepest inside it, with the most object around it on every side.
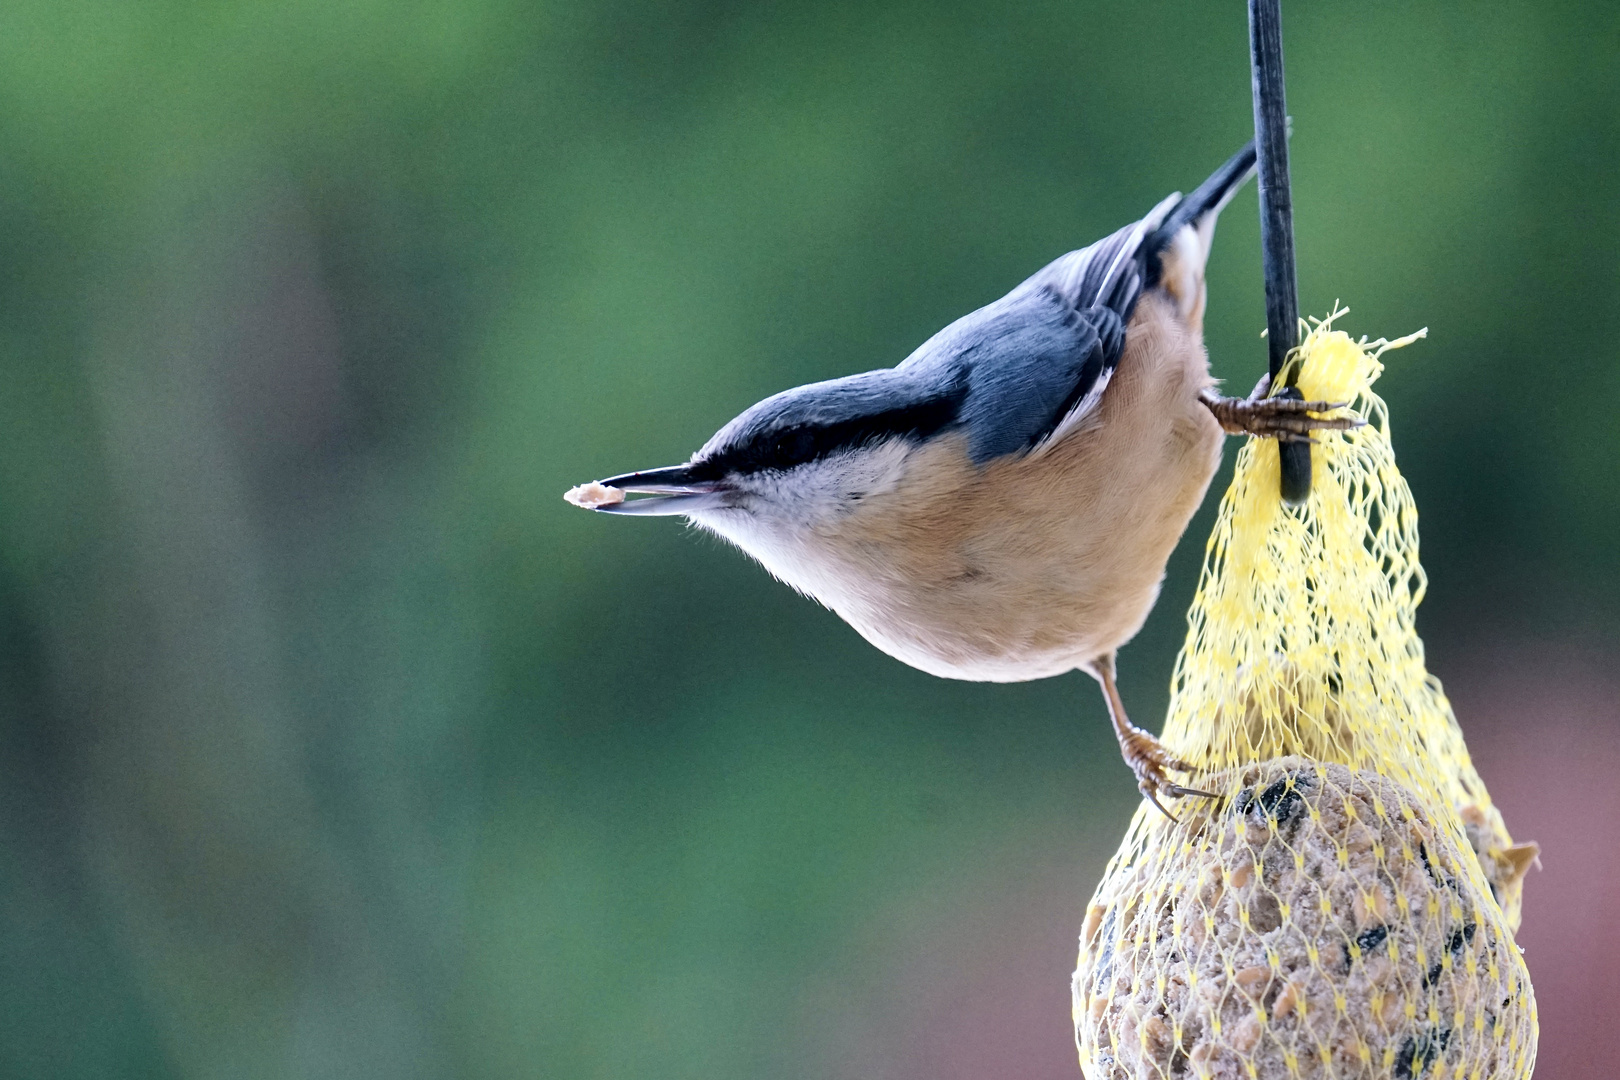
(793, 448)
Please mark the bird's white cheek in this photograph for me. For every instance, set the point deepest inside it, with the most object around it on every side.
(819, 495)
(786, 519)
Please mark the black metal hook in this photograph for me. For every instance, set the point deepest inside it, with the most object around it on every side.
(1277, 226)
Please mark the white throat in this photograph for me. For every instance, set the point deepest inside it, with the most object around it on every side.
(785, 519)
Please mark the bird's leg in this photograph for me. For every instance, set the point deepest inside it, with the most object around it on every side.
(1146, 756)
(1286, 418)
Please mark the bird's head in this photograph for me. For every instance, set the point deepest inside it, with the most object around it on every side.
(792, 463)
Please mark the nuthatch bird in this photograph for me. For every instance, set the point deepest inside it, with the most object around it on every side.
(1001, 505)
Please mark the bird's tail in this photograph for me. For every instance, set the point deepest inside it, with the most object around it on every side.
(1171, 241)
(1178, 247)
(1208, 199)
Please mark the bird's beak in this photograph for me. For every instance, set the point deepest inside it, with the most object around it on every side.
(673, 490)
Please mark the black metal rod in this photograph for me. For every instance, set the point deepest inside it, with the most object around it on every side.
(1277, 222)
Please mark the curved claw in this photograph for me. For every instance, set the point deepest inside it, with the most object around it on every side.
(1151, 780)
(1149, 790)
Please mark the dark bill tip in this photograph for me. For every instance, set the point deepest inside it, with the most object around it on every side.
(671, 480)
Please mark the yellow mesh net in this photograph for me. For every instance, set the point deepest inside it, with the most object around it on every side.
(1346, 907)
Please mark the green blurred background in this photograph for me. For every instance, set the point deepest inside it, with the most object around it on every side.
(334, 744)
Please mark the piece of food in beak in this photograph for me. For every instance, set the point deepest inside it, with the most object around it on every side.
(593, 495)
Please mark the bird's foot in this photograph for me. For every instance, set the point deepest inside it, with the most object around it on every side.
(1149, 760)
(1286, 417)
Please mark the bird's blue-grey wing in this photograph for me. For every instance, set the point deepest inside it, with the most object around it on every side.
(1036, 362)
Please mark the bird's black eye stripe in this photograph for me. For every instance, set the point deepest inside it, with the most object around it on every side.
(794, 447)
(784, 448)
